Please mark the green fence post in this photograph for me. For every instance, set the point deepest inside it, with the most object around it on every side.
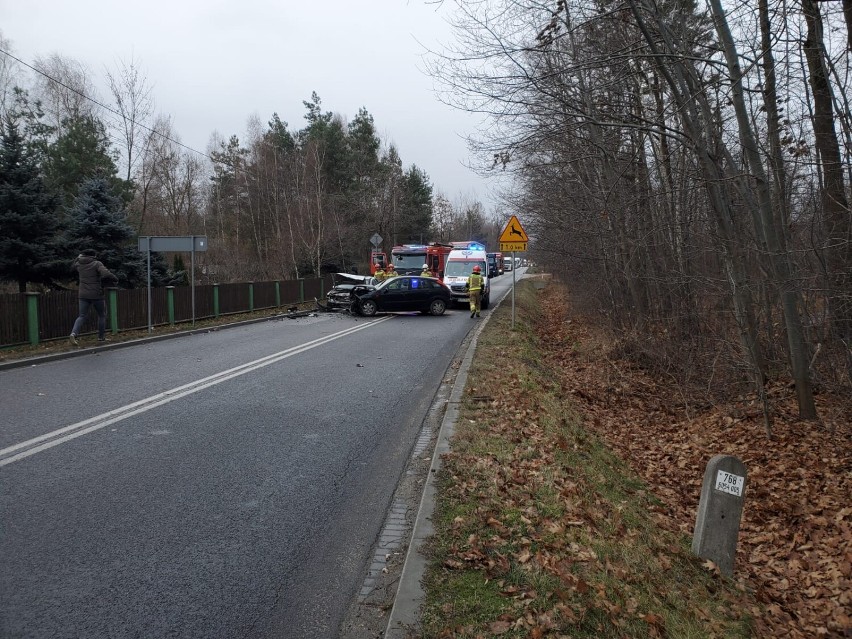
(301, 290)
(113, 310)
(277, 293)
(215, 300)
(251, 297)
(32, 317)
(170, 301)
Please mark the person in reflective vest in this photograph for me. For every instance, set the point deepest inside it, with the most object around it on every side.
(391, 272)
(426, 272)
(474, 289)
(379, 274)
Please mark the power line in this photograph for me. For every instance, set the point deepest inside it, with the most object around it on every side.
(108, 108)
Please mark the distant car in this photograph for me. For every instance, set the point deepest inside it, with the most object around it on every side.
(341, 296)
(493, 268)
(403, 293)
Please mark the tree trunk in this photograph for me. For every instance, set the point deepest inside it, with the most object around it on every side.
(835, 206)
(779, 259)
(773, 128)
(682, 82)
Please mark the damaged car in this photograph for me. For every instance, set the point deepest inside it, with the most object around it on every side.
(341, 295)
(403, 294)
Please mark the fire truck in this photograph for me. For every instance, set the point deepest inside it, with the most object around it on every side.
(436, 258)
(377, 257)
(408, 259)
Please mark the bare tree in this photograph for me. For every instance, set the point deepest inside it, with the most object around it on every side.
(757, 194)
(313, 218)
(65, 88)
(169, 191)
(837, 216)
(635, 131)
(442, 218)
(133, 101)
(10, 75)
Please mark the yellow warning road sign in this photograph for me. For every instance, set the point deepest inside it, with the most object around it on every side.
(513, 237)
(514, 232)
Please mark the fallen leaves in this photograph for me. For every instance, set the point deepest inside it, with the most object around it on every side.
(531, 524)
(796, 533)
(500, 627)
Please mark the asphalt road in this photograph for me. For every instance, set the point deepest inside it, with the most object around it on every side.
(229, 484)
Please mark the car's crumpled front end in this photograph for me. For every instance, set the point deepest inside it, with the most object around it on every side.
(343, 291)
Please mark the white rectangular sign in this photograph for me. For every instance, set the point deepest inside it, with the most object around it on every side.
(729, 483)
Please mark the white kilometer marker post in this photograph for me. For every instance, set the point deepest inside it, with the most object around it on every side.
(720, 509)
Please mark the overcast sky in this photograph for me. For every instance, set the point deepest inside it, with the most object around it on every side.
(215, 63)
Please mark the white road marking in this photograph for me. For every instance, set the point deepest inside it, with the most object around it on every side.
(67, 433)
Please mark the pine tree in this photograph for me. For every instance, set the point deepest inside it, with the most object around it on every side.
(364, 146)
(327, 131)
(97, 220)
(83, 152)
(279, 136)
(416, 210)
(28, 221)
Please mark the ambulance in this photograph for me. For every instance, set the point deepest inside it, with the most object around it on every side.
(460, 262)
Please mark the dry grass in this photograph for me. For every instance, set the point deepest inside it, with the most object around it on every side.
(543, 531)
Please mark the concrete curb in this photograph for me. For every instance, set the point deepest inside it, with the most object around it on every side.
(405, 613)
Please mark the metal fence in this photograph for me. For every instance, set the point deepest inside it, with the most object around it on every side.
(51, 315)
(233, 298)
(13, 318)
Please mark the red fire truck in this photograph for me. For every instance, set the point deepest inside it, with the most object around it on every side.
(377, 257)
(436, 258)
(408, 259)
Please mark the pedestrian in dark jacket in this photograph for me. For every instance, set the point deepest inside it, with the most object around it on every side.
(91, 293)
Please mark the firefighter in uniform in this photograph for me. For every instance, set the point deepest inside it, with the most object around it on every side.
(426, 272)
(474, 289)
(391, 272)
(379, 274)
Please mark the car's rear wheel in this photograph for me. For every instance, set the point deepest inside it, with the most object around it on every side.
(368, 308)
(437, 307)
